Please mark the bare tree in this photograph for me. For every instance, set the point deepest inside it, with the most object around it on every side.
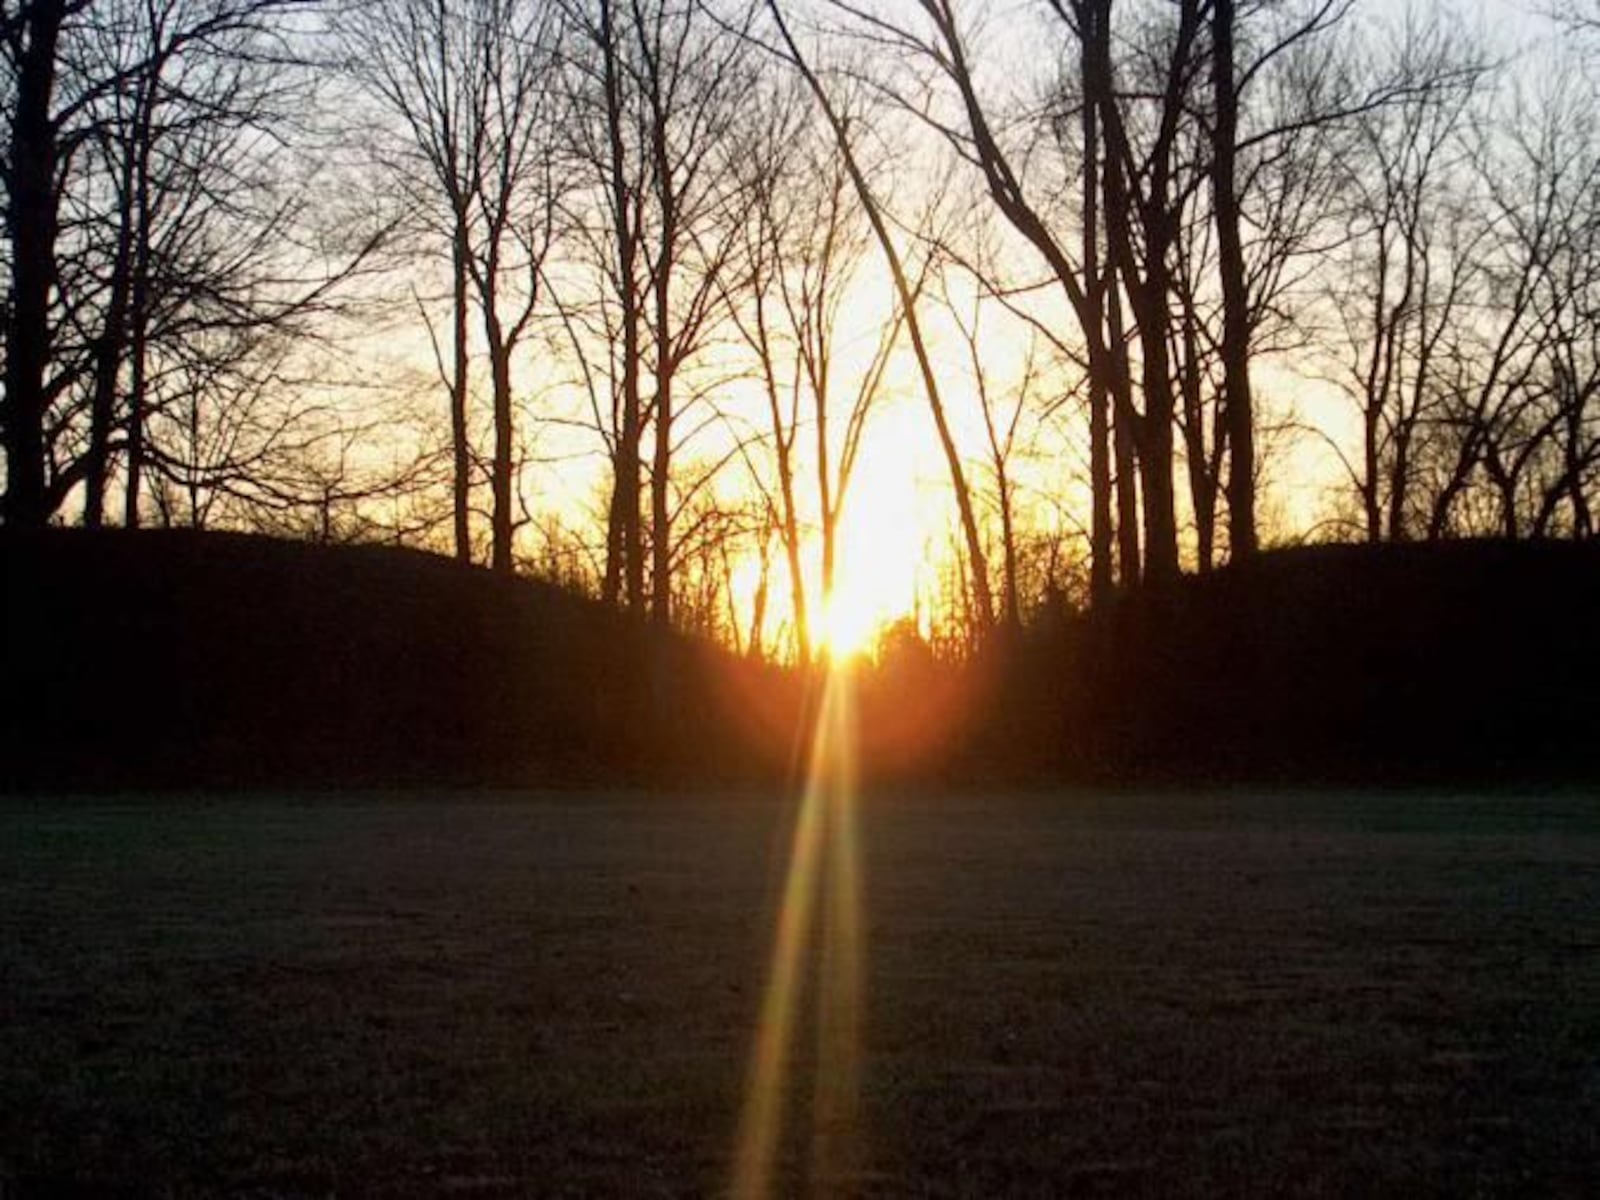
(417, 57)
(32, 35)
(471, 84)
(1516, 402)
(1003, 410)
(599, 76)
(1238, 406)
(171, 223)
(982, 599)
(1409, 267)
(695, 78)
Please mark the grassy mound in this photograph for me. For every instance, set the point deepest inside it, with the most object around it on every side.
(176, 658)
(1419, 663)
(179, 659)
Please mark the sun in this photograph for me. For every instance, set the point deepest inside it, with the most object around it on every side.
(891, 518)
(850, 624)
(893, 526)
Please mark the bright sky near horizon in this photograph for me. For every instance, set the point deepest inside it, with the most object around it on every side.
(897, 532)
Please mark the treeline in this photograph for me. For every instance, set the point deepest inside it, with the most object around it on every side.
(391, 269)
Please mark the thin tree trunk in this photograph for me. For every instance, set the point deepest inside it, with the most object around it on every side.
(1100, 569)
(1125, 442)
(1369, 465)
(825, 500)
(627, 542)
(109, 353)
(138, 354)
(611, 584)
(1008, 542)
(501, 559)
(783, 441)
(461, 481)
(1238, 404)
(660, 501)
(138, 344)
(661, 468)
(628, 484)
(1202, 482)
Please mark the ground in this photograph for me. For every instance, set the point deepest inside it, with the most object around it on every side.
(557, 994)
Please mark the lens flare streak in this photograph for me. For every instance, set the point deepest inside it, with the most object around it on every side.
(824, 874)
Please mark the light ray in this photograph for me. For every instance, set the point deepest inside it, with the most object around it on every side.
(823, 871)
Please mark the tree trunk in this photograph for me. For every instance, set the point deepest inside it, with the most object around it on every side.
(611, 584)
(1147, 292)
(138, 343)
(1238, 404)
(1149, 299)
(34, 221)
(1155, 459)
(1202, 481)
(783, 440)
(665, 368)
(138, 354)
(1371, 509)
(501, 527)
(109, 351)
(461, 481)
(1100, 572)
(624, 538)
(660, 502)
(1008, 543)
(1125, 442)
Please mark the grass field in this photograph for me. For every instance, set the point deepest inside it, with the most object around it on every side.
(557, 994)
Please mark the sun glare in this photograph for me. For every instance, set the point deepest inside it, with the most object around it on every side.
(894, 523)
(890, 521)
(849, 625)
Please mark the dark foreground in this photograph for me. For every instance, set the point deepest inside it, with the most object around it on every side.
(1330, 994)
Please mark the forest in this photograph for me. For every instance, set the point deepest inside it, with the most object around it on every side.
(700, 307)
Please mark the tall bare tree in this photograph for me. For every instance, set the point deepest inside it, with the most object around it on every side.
(982, 598)
(471, 85)
(158, 219)
(32, 35)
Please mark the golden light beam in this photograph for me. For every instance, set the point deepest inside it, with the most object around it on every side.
(824, 856)
(837, 1096)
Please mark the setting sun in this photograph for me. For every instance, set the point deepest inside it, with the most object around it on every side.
(889, 522)
(848, 626)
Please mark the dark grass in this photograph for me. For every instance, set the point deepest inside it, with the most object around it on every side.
(535, 994)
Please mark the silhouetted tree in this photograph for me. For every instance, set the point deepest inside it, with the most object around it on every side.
(982, 600)
(472, 85)
(171, 230)
(809, 241)
(32, 35)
